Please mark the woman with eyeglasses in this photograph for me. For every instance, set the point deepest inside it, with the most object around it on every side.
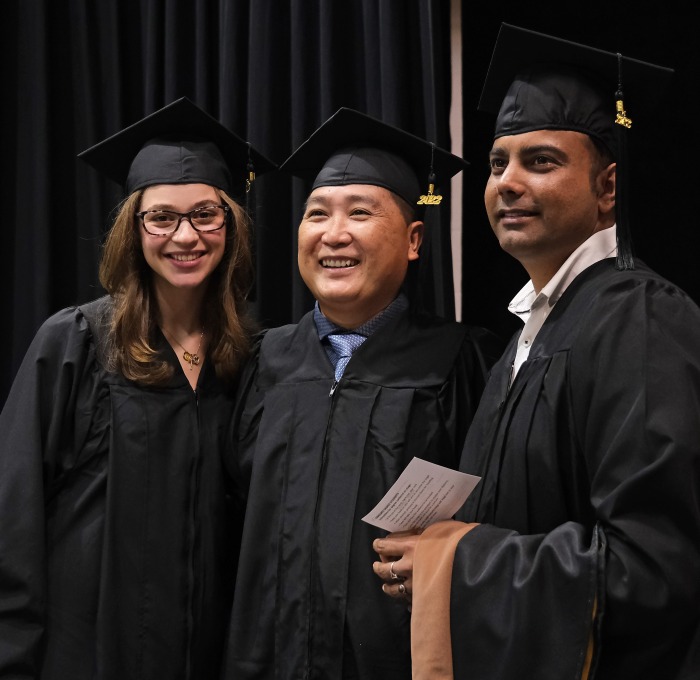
(117, 538)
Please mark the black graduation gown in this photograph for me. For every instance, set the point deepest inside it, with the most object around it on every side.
(590, 493)
(307, 603)
(114, 554)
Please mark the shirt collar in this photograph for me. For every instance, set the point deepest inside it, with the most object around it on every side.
(394, 309)
(599, 246)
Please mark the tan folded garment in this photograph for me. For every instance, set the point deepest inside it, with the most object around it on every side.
(431, 646)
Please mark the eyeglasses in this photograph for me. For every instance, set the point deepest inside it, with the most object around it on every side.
(167, 222)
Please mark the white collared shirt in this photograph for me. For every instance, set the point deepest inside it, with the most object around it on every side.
(533, 308)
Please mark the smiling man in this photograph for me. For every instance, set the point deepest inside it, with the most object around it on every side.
(355, 243)
(320, 439)
(579, 552)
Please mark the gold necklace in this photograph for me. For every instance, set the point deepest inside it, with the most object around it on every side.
(192, 358)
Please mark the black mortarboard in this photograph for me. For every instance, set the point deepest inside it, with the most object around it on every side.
(354, 148)
(540, 82)
(178, 144)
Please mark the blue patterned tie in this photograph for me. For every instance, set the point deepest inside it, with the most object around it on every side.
(344, 344)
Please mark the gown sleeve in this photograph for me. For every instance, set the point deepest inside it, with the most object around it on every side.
(462, 392)
(244, 426)
(46, 414)
(637, 416)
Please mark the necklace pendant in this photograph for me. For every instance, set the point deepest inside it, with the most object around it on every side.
(191, 359)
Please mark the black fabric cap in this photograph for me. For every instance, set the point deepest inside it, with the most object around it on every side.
(537, 82)
(354, 148)
(178, 144)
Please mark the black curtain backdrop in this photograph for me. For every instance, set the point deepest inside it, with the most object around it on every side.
(76, 71)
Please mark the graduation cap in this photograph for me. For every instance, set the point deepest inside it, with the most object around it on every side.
(540, 82)
(178, 144)
(354, 148)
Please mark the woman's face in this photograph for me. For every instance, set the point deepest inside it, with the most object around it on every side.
(186, 258)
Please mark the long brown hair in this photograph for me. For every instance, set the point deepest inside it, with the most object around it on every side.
(126, 276)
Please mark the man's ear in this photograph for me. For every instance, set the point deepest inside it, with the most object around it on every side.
(606, 185)
(415, 238)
